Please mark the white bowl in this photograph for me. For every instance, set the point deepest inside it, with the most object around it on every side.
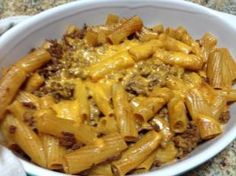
(198, 20)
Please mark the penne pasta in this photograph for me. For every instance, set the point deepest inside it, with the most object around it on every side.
(34, 60)
(162, 92)
(85, 157)
(27, 140)
(68, 109)
(172, 44)
(123, 113)
(161, 124)
(28, 99)
(133, 157)
(18, 110)
(101, 170)
(81, 96)
(49, 124)
(208, 126)
(101, 97)
(147, 163)
(129, 27)
(196, 104)
(208, 42)
(107, 125)
(188, 61)
(9, 88)
(166, 154)
(177, 115)
(116, 62)
(46, 101)
(34, 82)
(145, 50)
(53, 151)
(148, 108)
(112, 19)
(221, 69)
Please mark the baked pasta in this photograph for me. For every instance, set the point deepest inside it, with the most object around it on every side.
(116, 99)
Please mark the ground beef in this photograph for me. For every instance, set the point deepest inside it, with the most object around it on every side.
(57, 90)
(55, 49)
(224, 117)
(12, 129)
(52, 68)
(187, 141)
(67, 140)
(29, 105)
(137, 85)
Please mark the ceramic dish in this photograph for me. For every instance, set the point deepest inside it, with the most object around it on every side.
(198, 20)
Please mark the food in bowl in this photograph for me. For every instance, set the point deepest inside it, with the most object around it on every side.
(116, 99)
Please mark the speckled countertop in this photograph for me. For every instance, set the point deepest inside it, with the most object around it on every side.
(224, 164)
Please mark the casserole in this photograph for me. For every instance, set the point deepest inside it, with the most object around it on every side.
(52, 23)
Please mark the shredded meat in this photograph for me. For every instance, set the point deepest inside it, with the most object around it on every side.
(224, 117)
(68, 140)
(55, 49)
(57, 90)
(187, 141)
(137, 85)
(29, 105)
(12, 129)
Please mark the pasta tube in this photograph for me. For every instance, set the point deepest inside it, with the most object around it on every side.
(9, 87)
(81, 96)
(107, 125)
(85, 157)
(221, 69)
(53, 151)
(166, 154)
(148, 108)
(196, 104)
(218, 107)
(101, 170)
(123, 113)
(137, 153)
(34, 82)
(208, 42)
(208, 126)
(147, 163)
(17, 109)
(230, 95)
(162, 92)
(188, 61)
(145, 50)
(27, 140)
(177, 115)
(129, 27)
(116, 62)
(49, 124)
(177, 85)
(101, 97)
(28, 99)
(172, 44)
(68, 109)
(112, 19)
(161, 124)
(34, 60)
(46, 101)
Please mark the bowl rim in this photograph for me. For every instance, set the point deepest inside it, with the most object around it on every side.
(43, 19)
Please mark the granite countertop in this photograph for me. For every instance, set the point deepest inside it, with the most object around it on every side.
(224, 164)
